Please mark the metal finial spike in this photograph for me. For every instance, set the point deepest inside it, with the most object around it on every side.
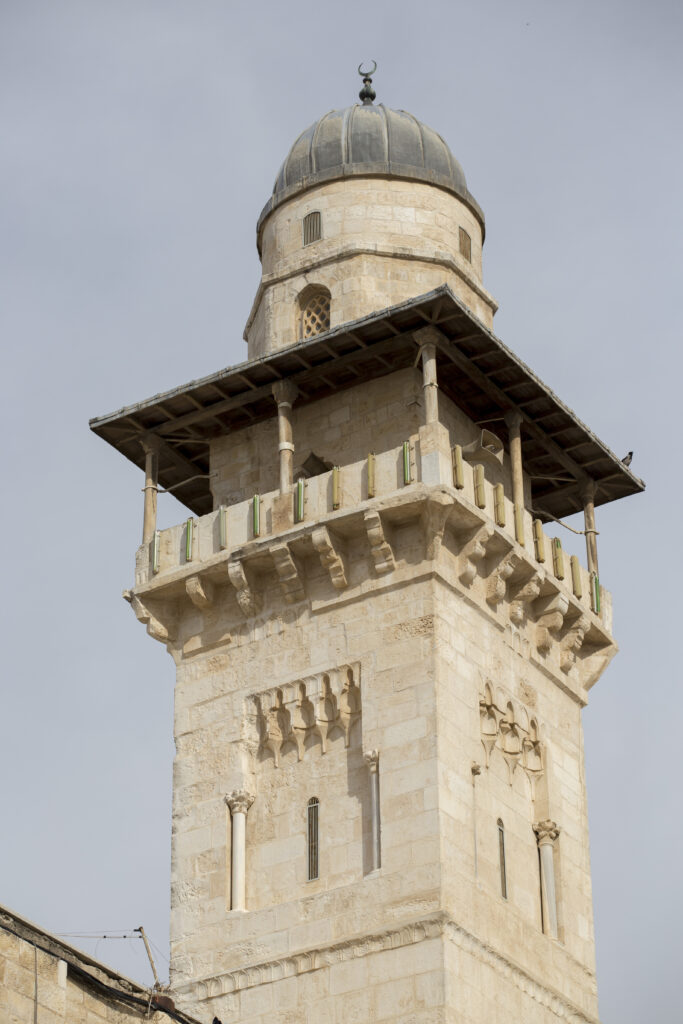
(367, 93)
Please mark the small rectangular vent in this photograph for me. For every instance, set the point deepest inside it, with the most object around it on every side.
(465, 245)
(312, 227)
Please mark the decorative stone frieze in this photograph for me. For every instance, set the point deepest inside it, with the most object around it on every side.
(506, 724)
(314, 706)
(267, 972)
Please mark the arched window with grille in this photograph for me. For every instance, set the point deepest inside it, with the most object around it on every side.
(501, 857)
(315, 312)
(312, 838)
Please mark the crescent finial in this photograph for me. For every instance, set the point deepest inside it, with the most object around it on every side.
(367, 93)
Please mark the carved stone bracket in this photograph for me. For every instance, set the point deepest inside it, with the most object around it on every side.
(246, 599)
(434, 518)
(471, 554)
(199, 591)
(156, 629)
(572, 642)
(290, 578)
(330, 556)
(380, 548)
(523, 598)
(497, 584)
(550, 613)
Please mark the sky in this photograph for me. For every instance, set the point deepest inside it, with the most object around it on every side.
(140, 140)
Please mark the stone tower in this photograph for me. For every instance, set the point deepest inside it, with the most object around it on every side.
(382, 653)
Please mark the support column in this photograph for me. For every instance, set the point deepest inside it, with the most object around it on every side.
(239, 802)
(429, 382)
(150, 447)
(513, 421)
(588, 498)
(546, 834)
(284, 393)
(372, 759)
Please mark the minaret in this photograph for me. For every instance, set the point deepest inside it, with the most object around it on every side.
(382, 650)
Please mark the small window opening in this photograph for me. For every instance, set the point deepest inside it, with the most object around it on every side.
(315, 315)
(313, 865)
(501, 856)
(312, 227)
(465, 245)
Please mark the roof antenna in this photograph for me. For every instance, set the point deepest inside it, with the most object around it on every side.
(157, 983)
(367, 93)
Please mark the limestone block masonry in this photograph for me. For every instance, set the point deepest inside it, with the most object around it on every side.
(382, 654)
(368, 657)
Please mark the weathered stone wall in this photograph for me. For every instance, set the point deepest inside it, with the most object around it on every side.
(39, 985)
(380, 245)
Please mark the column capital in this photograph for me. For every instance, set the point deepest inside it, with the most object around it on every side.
(588, 489)
(285, 392)
(428, 336)
(239, 801)
(513, 418)
(151, 443)
(372, 760)
(546, 832)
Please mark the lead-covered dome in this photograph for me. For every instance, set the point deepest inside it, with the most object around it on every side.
(369, 141)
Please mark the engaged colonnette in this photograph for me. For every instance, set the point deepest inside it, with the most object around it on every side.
(382, 649)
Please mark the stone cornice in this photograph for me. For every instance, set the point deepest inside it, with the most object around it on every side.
(432, 927)
(442, 259)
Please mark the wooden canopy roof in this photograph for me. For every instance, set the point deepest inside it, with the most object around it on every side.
(476, 370)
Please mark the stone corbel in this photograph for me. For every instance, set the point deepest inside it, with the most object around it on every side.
(472, 554)
(330, 557)
(525, 596)
(435, 517)
(156, 629)
(199, 591)
(497, 584)
(550, 613)
(288, 572)
(246, 599)
(380, 548)
(572, 642)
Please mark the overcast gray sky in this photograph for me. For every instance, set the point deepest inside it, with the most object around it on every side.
(140, 139)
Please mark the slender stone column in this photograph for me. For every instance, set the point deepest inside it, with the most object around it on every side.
(546, 834)
(284, 393)
(429, 384)
(372, 758)
(588, 498)
(513, 420)
(150, 445)
(239, 803)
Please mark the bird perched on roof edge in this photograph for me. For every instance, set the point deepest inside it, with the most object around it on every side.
(628, 459)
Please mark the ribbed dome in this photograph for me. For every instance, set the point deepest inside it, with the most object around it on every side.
(369, 141)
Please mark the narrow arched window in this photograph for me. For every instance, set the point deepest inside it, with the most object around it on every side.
(312, 227)
(501, 857)
(312, 827)
(315, 313)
